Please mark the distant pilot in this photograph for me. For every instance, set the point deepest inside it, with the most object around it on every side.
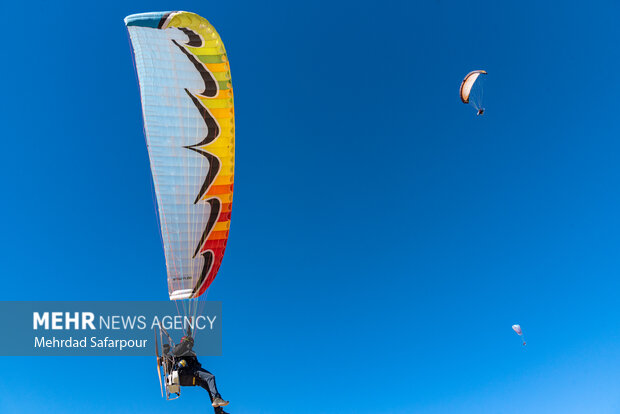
(480, 111)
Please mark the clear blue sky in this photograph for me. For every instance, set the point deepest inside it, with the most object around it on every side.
(384, 238)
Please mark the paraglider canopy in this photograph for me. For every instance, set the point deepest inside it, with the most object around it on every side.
(189, 122)
(468, 83)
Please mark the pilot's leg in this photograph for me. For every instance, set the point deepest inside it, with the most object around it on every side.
(207, 381)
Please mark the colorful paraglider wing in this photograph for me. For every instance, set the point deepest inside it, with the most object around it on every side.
(468, 84)
(187, 105)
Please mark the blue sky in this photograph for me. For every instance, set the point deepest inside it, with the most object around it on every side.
(384, 238)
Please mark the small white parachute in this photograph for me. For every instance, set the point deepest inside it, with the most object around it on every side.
(517, 329)
(471, 90)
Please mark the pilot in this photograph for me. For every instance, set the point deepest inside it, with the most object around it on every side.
(191, 372)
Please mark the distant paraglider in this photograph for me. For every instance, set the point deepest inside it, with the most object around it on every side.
(471, 90)
(517, 329)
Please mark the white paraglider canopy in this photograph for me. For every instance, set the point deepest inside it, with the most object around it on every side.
(468, 84)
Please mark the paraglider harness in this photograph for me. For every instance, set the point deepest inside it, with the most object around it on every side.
(179, 363)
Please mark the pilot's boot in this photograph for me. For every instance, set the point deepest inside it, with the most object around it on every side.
(219, 402)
